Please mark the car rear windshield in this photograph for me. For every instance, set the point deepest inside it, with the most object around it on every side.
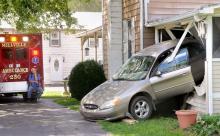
(136, 68)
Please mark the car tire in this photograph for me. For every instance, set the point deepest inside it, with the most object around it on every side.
(141, 108)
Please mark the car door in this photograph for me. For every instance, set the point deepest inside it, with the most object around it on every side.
(175, 78)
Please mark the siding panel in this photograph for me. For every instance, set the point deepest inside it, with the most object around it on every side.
(167, 8)
(216, 86)
(131, 9)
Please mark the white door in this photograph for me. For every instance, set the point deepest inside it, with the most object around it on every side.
(56, 65)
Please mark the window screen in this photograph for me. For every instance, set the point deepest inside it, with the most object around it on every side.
(216, 37)
(7, 54)
(21, 53)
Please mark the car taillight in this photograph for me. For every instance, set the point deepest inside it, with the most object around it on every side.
(35, 52)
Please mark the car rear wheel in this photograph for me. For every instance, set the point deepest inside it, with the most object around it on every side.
(141, 108)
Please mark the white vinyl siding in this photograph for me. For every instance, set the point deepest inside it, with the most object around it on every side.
(216, 86)
(115, 41)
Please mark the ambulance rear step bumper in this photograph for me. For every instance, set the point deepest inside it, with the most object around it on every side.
(13, 87)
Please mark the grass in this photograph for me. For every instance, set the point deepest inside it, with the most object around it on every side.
(52, 94)
(58, 98)
(157, 126)
(153, 127)
(71, 103)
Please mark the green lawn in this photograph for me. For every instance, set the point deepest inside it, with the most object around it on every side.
(52, 94)
(157, 126)
(58, 98)
(152, 127)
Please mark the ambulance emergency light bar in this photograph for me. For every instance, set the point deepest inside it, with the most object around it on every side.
(2, 39)
(15, 39)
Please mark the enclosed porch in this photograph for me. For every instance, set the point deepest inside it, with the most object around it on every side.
(204, 25)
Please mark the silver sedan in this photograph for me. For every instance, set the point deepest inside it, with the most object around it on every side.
(144, 80)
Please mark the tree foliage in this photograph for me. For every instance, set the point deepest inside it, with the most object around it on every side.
(85, 5)
(36, 15)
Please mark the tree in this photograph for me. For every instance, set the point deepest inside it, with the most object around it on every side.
(37, 15)
(86, 5)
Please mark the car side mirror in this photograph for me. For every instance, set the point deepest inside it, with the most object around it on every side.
(158, 73)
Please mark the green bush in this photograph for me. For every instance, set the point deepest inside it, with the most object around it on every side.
(207, 126)
(84, 77)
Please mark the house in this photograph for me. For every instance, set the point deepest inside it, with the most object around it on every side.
(62, 51)
(91, 41)
(145, 22)
(124, 31)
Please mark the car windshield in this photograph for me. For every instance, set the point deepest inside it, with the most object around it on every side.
(136, 68)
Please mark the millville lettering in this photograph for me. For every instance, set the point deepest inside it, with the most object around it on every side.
(11, 45)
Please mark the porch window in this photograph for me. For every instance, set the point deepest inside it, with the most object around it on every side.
(216, 37)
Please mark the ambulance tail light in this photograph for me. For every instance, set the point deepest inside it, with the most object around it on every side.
(35, 52)
(13, 39)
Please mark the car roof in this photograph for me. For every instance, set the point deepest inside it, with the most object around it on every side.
(156, 49)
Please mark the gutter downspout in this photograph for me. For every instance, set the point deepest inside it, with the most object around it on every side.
(209, 44)
(142, 20)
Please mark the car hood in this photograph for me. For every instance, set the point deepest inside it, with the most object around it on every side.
(107, 91)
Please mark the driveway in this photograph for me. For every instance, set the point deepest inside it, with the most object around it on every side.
(43, 119)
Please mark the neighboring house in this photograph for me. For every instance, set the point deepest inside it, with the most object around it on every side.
(62, 51)
(91, 44)
(131, 25)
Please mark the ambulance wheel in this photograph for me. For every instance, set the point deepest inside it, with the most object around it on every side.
(25, 97)
(34, 100)
(9, 95)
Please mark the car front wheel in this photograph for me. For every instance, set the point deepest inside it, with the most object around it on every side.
(141, 108)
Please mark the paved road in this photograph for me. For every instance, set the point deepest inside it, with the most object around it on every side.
(42, 119)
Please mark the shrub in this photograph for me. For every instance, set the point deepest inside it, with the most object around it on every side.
(207, 126)
(84, 77)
